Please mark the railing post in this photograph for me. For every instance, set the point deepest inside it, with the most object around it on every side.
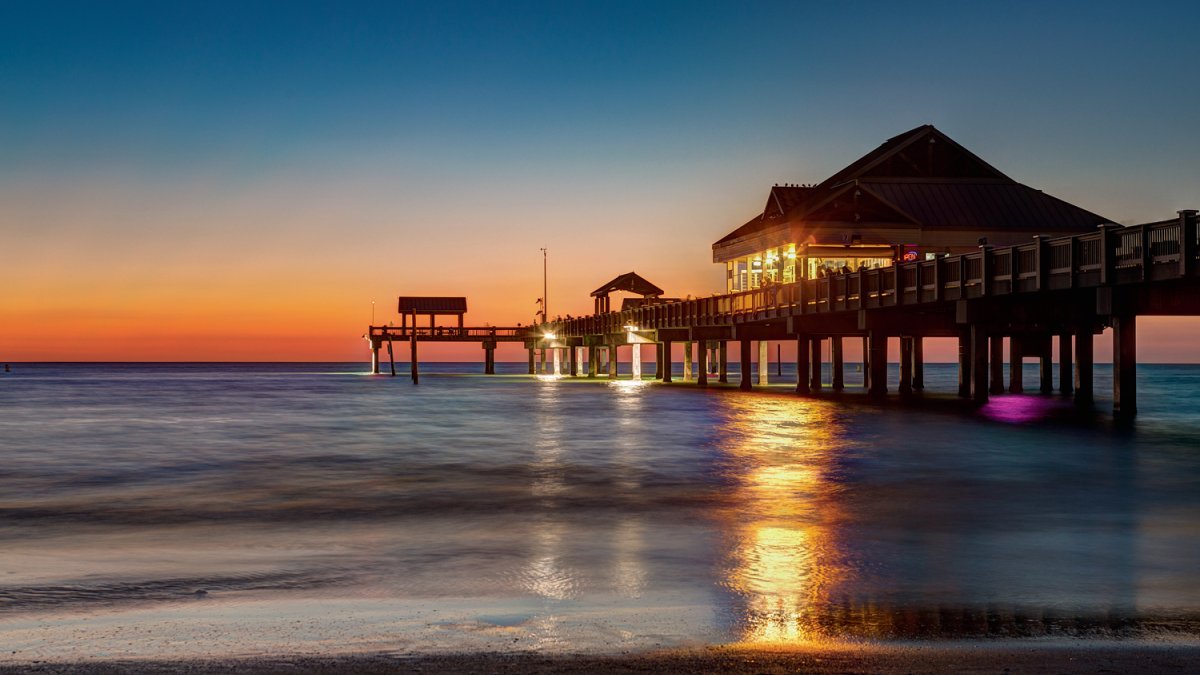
(1041, 263)
(1187, 242)
(1108, 254)
(939, 278)
(985, 272)
(1147, 258)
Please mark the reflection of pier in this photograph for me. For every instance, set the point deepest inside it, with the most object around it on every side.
(1069, 287)
(412, 307)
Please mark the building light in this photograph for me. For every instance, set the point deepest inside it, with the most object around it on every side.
(549, 336)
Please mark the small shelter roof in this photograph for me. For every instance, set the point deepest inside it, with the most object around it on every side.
(432, 305)
(629, 282)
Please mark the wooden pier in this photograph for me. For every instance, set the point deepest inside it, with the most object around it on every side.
(1071, 287)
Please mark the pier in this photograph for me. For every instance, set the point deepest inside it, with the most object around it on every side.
(1070, 287)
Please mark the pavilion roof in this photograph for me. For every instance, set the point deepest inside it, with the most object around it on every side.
(630, 282)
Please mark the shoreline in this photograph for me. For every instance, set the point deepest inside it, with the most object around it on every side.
(1012, 656)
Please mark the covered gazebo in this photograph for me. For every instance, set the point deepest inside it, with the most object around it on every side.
(629, 282)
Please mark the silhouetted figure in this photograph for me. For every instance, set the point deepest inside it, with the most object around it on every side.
(845, 269)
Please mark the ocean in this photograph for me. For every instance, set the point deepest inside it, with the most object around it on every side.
(227, 509)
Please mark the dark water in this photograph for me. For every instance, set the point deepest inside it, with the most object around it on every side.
(771, 517)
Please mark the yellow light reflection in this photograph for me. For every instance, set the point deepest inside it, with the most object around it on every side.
(783, 562)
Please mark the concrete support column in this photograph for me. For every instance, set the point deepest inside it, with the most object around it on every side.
(764, 362)
(1066, 366)
(1046, 366)
(702, 364)
(906, 360)
(532, 368)
(815, 364)
(658, 361)
(612, 361)
(374, 358)
(1125, 365)
(918, 359)
(997, 363)
(542, 359)
(837, 367)
(878, 357)
(964, 364)
(712, 356)
(573, 362)
(687, 361)
(744, 357)
(1084, 355)
(593, 357)
(723, 362)
(979, 363)
(1016, 379)
(668, 366)
(802, 365)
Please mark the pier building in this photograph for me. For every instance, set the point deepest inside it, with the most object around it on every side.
(918, 196)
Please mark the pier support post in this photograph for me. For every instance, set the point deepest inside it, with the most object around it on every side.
(593, 357)
(1125, 365)
(1066, 367)
(612, 361)
(573, 362)
(964, 364)
(542, 358)
(918, 359)
(702, 364)
(374, 357)
(414, 368)
(814, 350)
(744, 357)
(837, 367)
(667, 364)
(906, 370)
(658, 360)
(866, 362)
(687, 361)
(1016, 384)
(764, 362)
(979, 363)
(391, 359)
(712, 356)
(1084, 355)
(997, 365)
(1046, 366)
(878, 358)
(723, 362)
(802, 365)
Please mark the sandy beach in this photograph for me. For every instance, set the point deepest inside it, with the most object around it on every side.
(964, 657)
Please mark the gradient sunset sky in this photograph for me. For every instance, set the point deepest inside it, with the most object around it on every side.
(239, 181)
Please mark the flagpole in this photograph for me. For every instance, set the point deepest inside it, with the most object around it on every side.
(545, 296)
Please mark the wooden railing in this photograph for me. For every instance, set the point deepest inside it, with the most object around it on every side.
(1109, 256)
(452, 332)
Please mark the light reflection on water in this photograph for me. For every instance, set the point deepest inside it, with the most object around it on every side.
(783, 560)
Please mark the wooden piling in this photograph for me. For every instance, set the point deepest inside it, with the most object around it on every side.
(687, 361)
(815, 364)
(612, 361)
(532, 369)
(667, 363)
(723, 362)
(906, 361)
(997, 365)
(764, 362)
(1066, 365)
(979, 363)
(866, 362)
(1045, 365)
(878, 357)
(802, 365)
(658, 361)
(593, 357)
(964, 364)
(918, 359)
(374, 357)
(744, 356)
(702, 364)
(391, 359)
(1084, 355)
(838, 365)
(1125, 365)
(1016, 378)
(573, 361)
(414, 368)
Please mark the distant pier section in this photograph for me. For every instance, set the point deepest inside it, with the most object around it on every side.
(412, 307)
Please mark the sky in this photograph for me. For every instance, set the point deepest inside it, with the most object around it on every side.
(242, 181)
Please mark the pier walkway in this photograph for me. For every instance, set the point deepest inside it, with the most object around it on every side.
(1069, 287)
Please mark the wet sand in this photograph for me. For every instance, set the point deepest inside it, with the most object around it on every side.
(973, 657)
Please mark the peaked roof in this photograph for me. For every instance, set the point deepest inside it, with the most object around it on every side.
(927, 178)
(629, 282)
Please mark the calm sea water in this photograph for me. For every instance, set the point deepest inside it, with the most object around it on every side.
(760, 517)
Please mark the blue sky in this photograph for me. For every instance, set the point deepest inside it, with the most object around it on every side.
(165, 144)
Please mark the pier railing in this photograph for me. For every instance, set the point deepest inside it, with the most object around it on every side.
(1111, 255)
(466, 334)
